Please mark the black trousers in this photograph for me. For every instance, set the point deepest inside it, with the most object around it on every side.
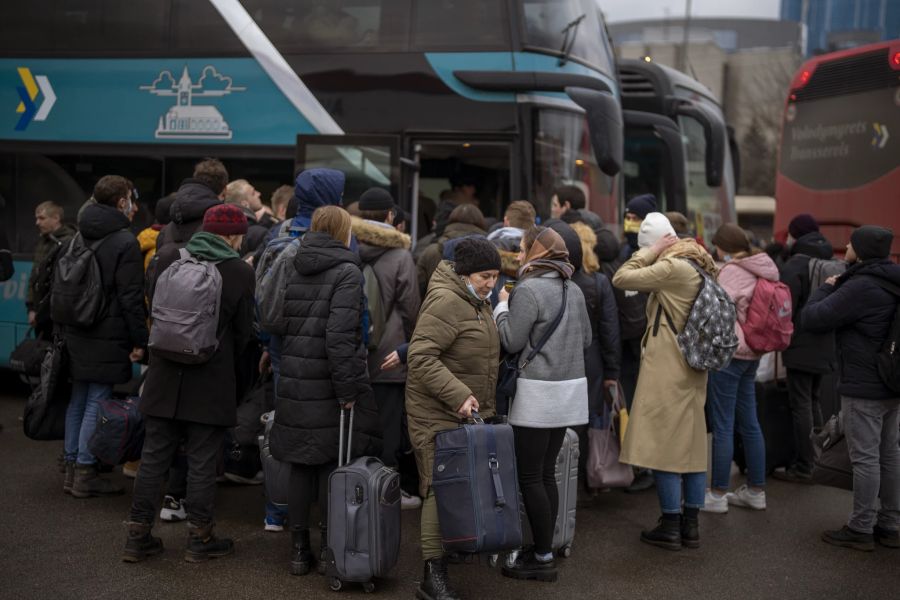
(202, 444)
(309, 483)
(391, 400)
(536, 453)
(803, 390)
(631, 365)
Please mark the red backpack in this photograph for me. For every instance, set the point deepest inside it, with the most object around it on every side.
(769, 325)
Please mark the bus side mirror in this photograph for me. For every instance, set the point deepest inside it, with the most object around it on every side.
(713, 132)
(604, 117)
(735, 152)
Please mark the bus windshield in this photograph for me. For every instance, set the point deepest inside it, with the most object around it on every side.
(547, 23)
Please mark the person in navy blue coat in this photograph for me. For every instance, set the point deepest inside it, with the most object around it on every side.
(861, 310)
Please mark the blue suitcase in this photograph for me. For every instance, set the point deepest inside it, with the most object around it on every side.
(477, 489)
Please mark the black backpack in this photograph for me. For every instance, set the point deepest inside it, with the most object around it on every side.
(888, 358)
(76, 296)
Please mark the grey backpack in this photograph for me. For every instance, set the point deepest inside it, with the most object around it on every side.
(708, 341)
(821, 269)
(186, 311)
(272, 278)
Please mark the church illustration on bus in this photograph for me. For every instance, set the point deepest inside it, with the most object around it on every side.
(188, 121)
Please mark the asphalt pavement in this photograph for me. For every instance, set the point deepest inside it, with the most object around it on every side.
(58, 547)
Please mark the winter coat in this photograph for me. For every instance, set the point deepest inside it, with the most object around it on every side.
(862, 313)
(192, 200)
(454, 354)
(206, 393)
(147, 240)
(386, 250)
(809, 351)
(256, 234)
(551, 390)
(739, 278)
(100, 354)
(40, 267)
(666, 429)
(323, 359)
(434, 253)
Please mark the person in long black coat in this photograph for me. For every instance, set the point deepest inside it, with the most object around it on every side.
(100, 356)
(323, 371)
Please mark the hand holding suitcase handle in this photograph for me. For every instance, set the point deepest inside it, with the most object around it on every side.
(468, 407)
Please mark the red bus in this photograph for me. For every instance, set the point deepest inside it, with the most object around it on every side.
(839, 158)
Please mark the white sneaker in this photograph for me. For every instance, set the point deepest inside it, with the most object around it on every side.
(273, 525)
(747, 498)
(172, 510)
(715, 503)
(409, 502)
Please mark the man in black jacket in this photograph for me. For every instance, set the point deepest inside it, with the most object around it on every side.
(195, 195)
(810, 355)
(48, 217)
(100, 356)
(860, 305)
(195, 403)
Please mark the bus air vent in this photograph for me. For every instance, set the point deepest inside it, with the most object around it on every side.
(635, 84)
(850, 75)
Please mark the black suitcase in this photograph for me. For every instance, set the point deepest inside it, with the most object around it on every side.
(773, 408)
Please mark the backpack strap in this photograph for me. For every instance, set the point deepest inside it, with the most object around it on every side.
(549, 331)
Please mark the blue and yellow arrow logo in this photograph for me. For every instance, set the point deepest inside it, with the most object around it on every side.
(28, 92)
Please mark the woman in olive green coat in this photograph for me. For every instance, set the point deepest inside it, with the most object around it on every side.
(452, 362)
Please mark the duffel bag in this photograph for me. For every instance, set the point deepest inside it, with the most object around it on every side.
(44, 417)
(832, 464)
(27, 357)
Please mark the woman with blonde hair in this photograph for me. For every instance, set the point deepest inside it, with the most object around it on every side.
(323, 371)
(589, 261)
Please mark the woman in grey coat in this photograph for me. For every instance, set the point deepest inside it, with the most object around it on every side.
(551, 392)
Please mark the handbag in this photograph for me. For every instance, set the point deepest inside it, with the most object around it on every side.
(832, 465)
(603, 467)
(620, 416)
(27, 357)
(45, 410)
(510, 369)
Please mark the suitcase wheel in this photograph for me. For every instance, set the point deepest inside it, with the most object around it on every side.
(493, 560)
(565, 551)
(369, 587)
(335, 584)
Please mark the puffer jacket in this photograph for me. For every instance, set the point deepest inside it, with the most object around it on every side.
(323, 359)
(809, 352)
(739, 278)
(147, 240)
(862, 313)
(454, 354)
(100, 354)
(192, 200)
(386, 250)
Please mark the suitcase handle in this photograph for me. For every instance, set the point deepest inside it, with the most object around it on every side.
(342, 448)
(477, 418)
(494, 467)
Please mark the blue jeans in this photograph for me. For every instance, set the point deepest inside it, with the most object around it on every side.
(733, 401)
(81, 419)
(276, 513)
(668, 488)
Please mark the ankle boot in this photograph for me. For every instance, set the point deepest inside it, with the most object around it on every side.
(436, 582)
(87, 483)
(323, 551)
(140, 543)
(302, 557)
(69, 480)
(203, 545)
(690, 532)
(666, 535)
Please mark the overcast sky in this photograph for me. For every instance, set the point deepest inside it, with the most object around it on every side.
(630, 10)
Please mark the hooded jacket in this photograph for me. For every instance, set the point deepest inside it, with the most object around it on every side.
(739, 278)
(435, 252)
(454, 354)
(861, 312)
(41, 277)
(206, 393)
(323, 359)
(100, 354)
(386, 250)
(314, 188)
(809, 351)
(192, 200)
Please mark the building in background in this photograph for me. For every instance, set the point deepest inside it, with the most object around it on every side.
(840, 24)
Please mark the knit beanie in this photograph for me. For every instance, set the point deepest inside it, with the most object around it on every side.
(641, 205)
(731, 238)
(655, 227)
(376, 198)
(225, 219)
(871, 242)
(801, 225)
(163, 206)
(475, 255)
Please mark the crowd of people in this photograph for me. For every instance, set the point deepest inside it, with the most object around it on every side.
(412, 340)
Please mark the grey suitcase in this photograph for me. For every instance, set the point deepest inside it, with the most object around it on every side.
(363, 518)
(277, 473)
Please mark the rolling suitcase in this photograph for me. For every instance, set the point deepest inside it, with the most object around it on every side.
(477, 489)
(277, 474)
(773, 408)
(363, 517)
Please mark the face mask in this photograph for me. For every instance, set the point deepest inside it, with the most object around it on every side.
(631, 227)
(474, 293)
(128, 208)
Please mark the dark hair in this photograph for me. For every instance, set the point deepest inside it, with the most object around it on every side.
(111, 188)
(468, 214)
(571, 194)
(212, 173)
(374, 215)
(530, 236)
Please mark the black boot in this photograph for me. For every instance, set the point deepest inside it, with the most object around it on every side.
(323, 550)
(666, 535)
(87, 483)
(848, 538)
(302, 557)
(203, 545)
(69, 481)
(690, 532)
(140, 543)
(527, 566)
(436, 582)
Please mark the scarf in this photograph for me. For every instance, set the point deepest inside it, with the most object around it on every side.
(547, 253)
(691, 250)
(209, 246)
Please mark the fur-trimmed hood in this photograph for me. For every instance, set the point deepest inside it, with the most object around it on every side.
(374, 234)
(509, 263)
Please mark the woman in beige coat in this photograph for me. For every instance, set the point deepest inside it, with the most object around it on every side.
(667, 428)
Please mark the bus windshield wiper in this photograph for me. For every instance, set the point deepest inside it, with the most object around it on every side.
(569, 32)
